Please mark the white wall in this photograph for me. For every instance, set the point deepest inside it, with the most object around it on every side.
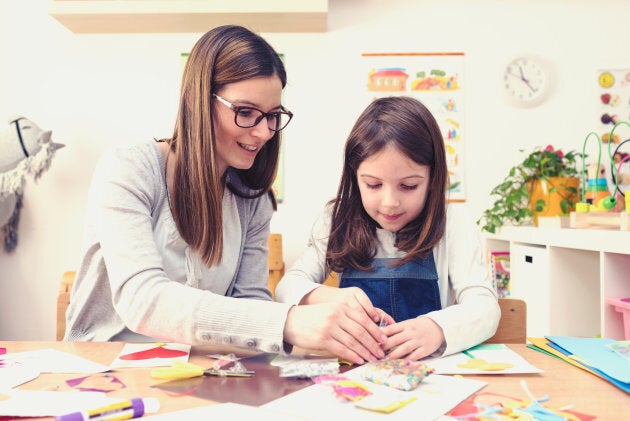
(93, 91)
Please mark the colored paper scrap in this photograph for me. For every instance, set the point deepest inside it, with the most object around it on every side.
(151, 355)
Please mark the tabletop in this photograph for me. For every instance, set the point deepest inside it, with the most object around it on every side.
(563, 383)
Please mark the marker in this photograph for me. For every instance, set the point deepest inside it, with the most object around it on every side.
(468, 353)
(124, 410)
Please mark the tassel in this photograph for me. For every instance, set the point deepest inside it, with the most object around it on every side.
(10, 229)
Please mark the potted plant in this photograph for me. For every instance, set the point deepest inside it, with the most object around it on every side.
(545, 183)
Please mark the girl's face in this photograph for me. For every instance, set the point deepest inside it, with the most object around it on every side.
(236, 146)
(393, 188)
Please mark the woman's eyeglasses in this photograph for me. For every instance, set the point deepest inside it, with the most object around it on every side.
(247, 117)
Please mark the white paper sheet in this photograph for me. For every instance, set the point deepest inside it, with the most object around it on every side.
(20, 403)
(492, 353)
(53, 361)
(13, 376)
(225, 411)
(435, 396)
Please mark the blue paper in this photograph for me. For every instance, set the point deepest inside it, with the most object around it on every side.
(595, 353)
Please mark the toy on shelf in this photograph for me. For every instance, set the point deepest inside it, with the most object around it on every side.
(597, 205)
(622, 161)
(597, 186)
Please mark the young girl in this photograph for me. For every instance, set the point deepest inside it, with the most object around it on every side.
(390, 235)
(176, 231)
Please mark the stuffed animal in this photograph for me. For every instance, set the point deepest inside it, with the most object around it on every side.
(26, 150)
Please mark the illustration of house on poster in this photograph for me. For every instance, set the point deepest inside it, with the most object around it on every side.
(436, 79)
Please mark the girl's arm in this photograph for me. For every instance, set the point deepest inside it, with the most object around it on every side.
(308, 272)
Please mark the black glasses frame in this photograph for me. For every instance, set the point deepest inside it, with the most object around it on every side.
(238, 108)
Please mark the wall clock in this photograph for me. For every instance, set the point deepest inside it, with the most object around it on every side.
(527, 81)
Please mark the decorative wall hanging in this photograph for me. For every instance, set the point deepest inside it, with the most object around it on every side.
(26, 150)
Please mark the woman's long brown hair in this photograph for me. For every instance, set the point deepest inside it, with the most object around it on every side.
(224, 55)
(408, 125)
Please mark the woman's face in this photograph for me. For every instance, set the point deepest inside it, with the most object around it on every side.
(236, 146)
(393, 188)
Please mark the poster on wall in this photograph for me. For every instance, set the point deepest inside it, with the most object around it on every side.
(614, 107)
(437, 80)
(614, 102)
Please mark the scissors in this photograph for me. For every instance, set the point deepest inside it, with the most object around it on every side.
(182, 370)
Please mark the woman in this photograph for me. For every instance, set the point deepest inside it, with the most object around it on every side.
(176, 233)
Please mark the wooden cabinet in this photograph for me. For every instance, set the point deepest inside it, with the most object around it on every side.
(159, 16)
(565, 276)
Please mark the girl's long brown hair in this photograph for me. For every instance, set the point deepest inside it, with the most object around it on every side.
(224, 55)
(408, 125)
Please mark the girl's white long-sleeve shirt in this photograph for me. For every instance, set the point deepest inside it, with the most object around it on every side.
(470, 312)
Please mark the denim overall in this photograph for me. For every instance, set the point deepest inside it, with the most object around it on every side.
(404, 292)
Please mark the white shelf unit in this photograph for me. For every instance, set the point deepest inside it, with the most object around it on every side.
(565, 276)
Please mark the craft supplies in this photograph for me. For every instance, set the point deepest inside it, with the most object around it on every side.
(181, 370)
(310, 368)
(621, 348)
(347, 390)
(384, 403)
(398, 374)
(132, 408)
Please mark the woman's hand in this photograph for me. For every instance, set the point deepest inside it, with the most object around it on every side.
(345, 329)
(353, 296)
(413, 339)
(356, 298)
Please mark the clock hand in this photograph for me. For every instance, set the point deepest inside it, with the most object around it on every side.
(529, 85)
(512, 74)
(525, 80)
(522, 78)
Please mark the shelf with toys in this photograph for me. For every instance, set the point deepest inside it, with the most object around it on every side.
(565, 276)
(572, 275)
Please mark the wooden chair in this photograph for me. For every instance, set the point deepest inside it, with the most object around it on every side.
(513, 324)
(276, 270)
(276, 262)
(63, 300)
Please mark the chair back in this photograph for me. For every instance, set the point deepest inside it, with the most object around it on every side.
(276, 262)
(63, 300)
(513, 324)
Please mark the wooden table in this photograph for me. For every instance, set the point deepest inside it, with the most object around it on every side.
(562, 382)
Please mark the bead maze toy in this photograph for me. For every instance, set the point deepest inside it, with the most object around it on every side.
(598, 207)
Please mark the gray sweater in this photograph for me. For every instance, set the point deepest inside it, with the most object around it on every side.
(139, 281)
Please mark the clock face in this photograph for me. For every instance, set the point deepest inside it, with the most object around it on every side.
(526, 81)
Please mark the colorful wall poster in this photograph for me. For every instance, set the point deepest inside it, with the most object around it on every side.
(613, 107)
(614, 102)
(437, 80)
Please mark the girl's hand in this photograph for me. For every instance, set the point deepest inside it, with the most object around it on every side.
(344, 329)
(413, 339)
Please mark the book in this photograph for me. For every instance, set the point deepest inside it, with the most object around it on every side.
(500, 269)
